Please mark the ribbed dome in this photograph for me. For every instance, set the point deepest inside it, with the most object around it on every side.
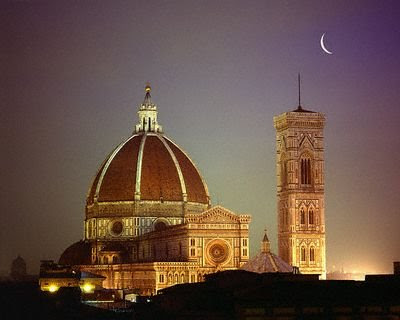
(148, 166)
(267, 262)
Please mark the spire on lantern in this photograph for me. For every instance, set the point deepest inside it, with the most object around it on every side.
(148, 114)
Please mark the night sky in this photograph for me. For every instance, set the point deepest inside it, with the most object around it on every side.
(73, 74)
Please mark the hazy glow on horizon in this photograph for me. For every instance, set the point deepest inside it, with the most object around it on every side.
(74, 74)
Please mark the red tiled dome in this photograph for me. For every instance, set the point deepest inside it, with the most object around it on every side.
(148, 167)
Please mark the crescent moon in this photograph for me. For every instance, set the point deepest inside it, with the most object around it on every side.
(323, 45)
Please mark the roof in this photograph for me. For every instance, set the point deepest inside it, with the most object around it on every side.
(300, 109)
(148, 166)
(89, 275)
(113, 246)
(267, 262)
(78, 253)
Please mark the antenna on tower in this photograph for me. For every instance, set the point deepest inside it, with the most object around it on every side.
(299, 91)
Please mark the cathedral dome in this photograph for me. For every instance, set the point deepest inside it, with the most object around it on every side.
(147, 175)
(148, 166)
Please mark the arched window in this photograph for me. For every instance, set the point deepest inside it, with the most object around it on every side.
(115, 259)
(305, 167)
(176, 278)
(149, 124)
(302, 216)
(312, 254)
(182, 278)
(105, 260)
(311, 216)
(303, 254)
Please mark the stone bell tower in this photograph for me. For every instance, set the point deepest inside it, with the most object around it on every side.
(300, 189)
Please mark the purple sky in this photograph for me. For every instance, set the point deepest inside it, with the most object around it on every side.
(73, 74)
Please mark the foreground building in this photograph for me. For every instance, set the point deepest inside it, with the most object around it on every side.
(149, 222)
(300, 189)
(238, 294)
(52, 277)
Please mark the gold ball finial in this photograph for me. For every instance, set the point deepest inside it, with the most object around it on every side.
(147, 88)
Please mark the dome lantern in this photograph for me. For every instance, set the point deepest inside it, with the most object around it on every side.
(265, 245)
(147, 114)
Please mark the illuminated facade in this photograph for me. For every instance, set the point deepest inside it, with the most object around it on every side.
(300, 189)
(149, 221)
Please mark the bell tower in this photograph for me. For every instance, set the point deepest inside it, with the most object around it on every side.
(300, 189)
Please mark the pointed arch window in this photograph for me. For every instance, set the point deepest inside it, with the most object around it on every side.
(303, 254)
(302, 216)
(312, 254)
(311, 216)
(305, 167)
(284, 173)
(283, 169)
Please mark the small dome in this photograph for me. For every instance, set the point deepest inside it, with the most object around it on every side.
(266, 261)
(78, 253)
